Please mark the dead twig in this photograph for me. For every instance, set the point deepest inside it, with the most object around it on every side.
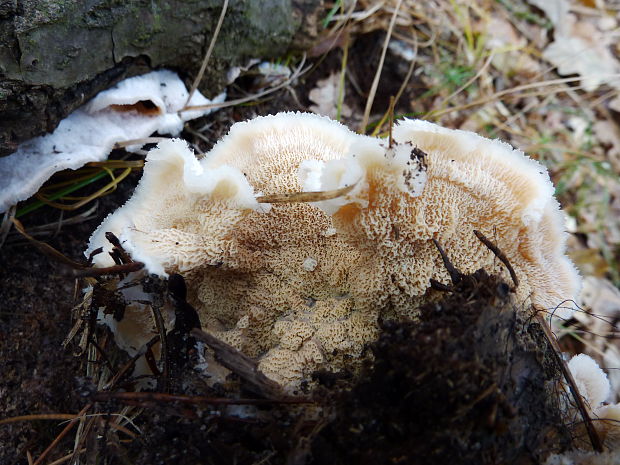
(455, 275)
(391, 122)
(142, 398)
(130, 363)
(47, 249)
(116, 269)
(62, 434)
(231, 103)
(203, 66)
(499, 254)
(595, 440)
(112, 239)
(161, 330)
(316, 196)
(39, 416)
(239, 363)
(75, 269)
(375, 82)
(5, 228)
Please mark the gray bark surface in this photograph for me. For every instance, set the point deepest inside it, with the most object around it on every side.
(57, 54)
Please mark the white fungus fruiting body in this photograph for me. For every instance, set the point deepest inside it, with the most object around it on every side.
(591, 381)
(593, 385)
(488, 185)
(302, 285)
(134, 108)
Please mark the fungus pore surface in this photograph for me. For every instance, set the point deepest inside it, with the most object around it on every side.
(302, 285)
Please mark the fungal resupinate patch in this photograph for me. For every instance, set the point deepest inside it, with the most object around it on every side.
(133, 109)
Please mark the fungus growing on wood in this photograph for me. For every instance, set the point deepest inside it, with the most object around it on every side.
(301, 284)
(134, 108)
(443, 184)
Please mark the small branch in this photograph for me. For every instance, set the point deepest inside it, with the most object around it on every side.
(375, 82)
(455, 275)
(240, 364)
(499, 254)
(40, 416)
(160, 397)
(161, 329)
(116, 269)
(203, 66)
(125, 368)
(391, 122)
(440, 286)
(296, 197)
(595, 440)
(92, 255)
(112, 239)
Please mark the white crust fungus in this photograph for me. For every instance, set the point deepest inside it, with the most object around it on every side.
(591, 381)
(594, 387)
(371, 249)
(464, 183)
(134, 108)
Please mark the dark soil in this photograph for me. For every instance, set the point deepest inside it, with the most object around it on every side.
(37, 375)
(472, 382)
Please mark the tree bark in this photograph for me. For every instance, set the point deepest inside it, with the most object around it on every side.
(55, 55)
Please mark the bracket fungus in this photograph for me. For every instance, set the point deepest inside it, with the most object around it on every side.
(301, 284)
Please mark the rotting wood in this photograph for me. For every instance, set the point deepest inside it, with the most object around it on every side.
(242, 365)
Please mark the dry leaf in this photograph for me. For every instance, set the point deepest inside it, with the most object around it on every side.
(614, 104)
(578, 128)
(555, 10)
(601, 296)
(608, 134)
(590, 262)
(611, 364)
(583, 44)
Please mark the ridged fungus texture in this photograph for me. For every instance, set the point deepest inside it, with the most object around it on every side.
(302, 285)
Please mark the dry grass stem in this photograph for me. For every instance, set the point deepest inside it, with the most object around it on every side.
(301, 197)
(203, 66)
(299, 71)
(375, 82)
